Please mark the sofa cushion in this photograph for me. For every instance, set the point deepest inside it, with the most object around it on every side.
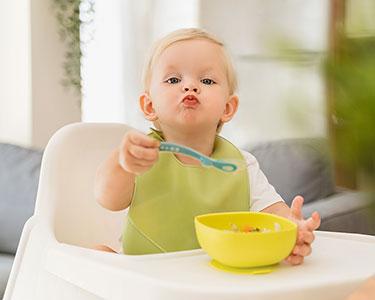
(19, 176)
(345, 211)
(6, 262)
(297, 167)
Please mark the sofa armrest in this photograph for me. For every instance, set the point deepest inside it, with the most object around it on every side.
(345, 211)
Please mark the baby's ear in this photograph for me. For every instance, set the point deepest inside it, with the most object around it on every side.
(147, 108)
(230, 109)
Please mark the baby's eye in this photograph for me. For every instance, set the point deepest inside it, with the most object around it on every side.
(207, 81)
(173, 80)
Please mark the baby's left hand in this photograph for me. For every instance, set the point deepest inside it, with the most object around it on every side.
(305, 235)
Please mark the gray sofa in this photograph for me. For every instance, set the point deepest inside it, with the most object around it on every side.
(19, 176)
(294, 167)
(304, 167)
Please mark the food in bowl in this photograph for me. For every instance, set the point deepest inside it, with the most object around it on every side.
(241, 249)
(252, 229)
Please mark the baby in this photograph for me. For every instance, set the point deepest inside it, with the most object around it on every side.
(189, 93)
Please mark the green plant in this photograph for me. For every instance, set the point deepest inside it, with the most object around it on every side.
(69, 17)
(352, 73)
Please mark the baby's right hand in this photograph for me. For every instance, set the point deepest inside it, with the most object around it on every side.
(138, 152)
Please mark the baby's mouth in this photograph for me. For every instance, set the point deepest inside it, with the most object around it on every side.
(190, 100)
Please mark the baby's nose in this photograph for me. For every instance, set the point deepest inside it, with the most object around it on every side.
(193, 89)
(191, 85)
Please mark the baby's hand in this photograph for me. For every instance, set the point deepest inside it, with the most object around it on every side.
(138, 152)
(305, 235)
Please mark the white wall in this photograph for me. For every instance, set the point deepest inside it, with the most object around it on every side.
(15, 72)
(53, 106)
(33, 104)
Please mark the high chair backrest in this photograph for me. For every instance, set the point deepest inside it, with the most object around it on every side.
(65, 200)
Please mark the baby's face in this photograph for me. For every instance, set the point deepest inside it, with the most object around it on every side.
(189, 85)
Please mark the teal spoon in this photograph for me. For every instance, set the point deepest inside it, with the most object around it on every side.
(206, 161)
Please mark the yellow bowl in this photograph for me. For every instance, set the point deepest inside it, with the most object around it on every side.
(245, 249)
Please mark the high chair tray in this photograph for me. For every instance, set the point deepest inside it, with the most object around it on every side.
(339, 264)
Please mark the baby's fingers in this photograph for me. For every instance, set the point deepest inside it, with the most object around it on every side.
(138, 152)
(311, 223)
(305, 237)
(143, 153)
(141, 139)
(295, 259)
(303, 250)
(296, 208)
(317, 220)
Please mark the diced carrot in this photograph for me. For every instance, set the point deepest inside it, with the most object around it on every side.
(247, 229)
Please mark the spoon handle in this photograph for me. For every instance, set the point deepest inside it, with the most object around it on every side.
(205, 160)
(175, 148)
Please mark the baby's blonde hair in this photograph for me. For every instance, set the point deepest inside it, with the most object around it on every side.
(182, 35)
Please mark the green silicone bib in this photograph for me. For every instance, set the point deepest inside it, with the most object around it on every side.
(168, 197)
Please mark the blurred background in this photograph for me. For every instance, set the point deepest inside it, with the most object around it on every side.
(70, 61)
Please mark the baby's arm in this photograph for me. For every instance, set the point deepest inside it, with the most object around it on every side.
(305, 227)
(114, 181)
(261, 190)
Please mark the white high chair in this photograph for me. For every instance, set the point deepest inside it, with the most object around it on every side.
(53, 260)
(66, 212)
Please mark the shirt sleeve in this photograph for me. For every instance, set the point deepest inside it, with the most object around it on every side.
(262, 193)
